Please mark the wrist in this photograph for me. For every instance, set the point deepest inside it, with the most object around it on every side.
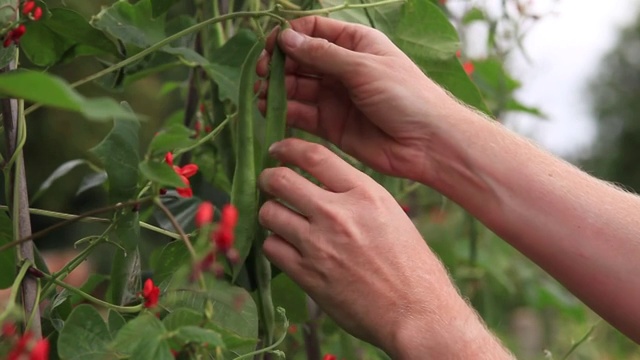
(457, 334)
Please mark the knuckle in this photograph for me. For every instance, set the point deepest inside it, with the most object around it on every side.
(315, 156)
(265, 214)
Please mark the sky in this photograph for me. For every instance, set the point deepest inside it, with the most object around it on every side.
(565, 49)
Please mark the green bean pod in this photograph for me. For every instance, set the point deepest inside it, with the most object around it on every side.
(276, 122)
(244, 192)
(276, 114)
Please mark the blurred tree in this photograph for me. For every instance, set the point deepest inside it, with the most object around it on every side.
(615, 92)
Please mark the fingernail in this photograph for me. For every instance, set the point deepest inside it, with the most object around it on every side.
(262, 55)
(291, 38)
(273, 148)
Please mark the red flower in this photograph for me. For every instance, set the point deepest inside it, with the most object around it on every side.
(468, 67)
(204, 215)
(185, 173)
(37, 14)
(329, 357)
(28, 7)
(229, 216)
(14, 35)
(459, 53)
(223, 238)
(40, 351)
(151, 293)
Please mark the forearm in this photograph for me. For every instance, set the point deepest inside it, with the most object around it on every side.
(581, 230)
(459, 334)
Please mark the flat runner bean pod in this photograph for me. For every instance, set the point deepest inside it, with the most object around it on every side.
(244, 192)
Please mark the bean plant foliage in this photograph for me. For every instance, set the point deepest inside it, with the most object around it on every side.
(205, 290)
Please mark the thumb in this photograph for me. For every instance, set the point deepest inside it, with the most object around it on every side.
(317, 54)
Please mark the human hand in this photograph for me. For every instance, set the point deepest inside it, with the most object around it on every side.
(352, 86)
(351, 247)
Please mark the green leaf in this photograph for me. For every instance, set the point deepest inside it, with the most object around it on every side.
(131, 23)
(120, 157)
(424, 32)
(451, 76)
(472, 15)
(143, 338)
(8, 256)
(160, 173)
(61, 171)
(44, 47)
(84, 335)
(49, 90)
(195, 334)
(159, 7)
(73, 26)
(224, 67)
(115, 322)
(289, 295)
(171, 257)
(88, 287)
(173, 137)
(182, 317)
(233, 309)
(515, 105)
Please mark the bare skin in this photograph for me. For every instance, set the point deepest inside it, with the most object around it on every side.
(581, 230)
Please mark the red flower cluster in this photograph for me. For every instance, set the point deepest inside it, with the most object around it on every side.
(204, 215)
(150, 293)
(329, 357)
(223, 237)
(30, 9)
(25, 346)
(185, 173)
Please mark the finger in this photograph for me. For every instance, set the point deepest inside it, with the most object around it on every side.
(306, 51)
(283, 255)
(292, 188)
(284, 222)
(320, 162)
(300, 115)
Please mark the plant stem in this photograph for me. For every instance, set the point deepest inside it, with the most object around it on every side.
(15, 288)
(205, 138)
(73, 220)
(274, 345)
(331, 9)
(91, 219)
(177, 227)
(71, 265)
(84, 295)
(14, 123)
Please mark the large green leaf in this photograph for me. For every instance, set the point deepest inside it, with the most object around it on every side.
(8, 256)
(173, 137)
(143, 338)
(120, 156)
(50, 90)
(424, 32)
(62, 36)
(287, 294)
(234, 312)
(160, 173)
(168, 260)
(224, 67)
(73, 26)
(159, 7)
(84, 335)
(131, 23)
(451, 76)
